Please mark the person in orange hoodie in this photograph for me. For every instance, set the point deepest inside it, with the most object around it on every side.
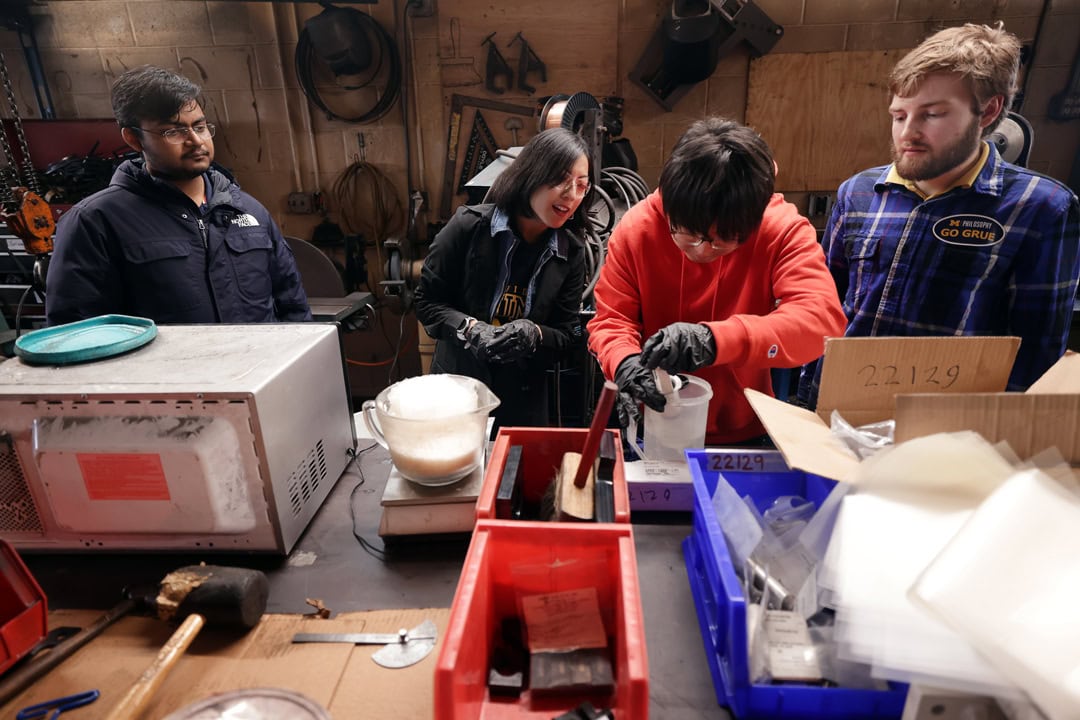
(716, 275)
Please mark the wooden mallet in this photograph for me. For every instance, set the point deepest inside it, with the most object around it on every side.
(228, 597)
(574, 500)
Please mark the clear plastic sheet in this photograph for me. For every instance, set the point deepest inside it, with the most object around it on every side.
(1008, 583)
(910, 501)
(742, 531)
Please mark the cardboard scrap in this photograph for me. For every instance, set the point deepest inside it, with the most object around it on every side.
(861, 376)
(1029, 423)
(968, 375)
(338, 676)
(566, 620)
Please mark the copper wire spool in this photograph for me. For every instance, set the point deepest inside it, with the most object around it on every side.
(566, 111)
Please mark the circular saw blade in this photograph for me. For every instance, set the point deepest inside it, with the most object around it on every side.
(418, 643)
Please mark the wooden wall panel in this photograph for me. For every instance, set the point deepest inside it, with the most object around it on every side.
(823, 114)
(577, 42)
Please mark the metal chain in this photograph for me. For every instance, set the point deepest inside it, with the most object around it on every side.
(29, 174)
(7, 197)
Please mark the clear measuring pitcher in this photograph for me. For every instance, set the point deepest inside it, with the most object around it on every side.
(682, 424)
(435, 426)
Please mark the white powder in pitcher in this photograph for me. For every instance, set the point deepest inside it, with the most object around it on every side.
(428, 397)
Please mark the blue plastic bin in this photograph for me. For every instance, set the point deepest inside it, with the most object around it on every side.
(721, 604)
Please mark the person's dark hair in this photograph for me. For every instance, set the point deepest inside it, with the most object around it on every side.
(151, 93)
(719, 176)
(546, 160)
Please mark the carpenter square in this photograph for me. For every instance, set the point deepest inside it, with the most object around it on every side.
(402, 649)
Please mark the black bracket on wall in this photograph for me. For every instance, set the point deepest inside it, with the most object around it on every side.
(692, 38)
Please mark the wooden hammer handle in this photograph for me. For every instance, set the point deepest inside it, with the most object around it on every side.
(144, 688)
(596, 431)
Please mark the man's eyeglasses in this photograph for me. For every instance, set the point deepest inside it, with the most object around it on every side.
(579, 187)
(178, 135)
(691, 240)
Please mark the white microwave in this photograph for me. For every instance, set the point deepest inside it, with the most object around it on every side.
(222, 438)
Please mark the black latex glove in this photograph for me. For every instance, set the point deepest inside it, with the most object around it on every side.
(626, 408)
(635, 380)
(479, 337)
(516, 339)
(680, 347)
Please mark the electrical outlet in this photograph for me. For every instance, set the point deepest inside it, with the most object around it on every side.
(421, 8)
(301, 203)
(819, 205)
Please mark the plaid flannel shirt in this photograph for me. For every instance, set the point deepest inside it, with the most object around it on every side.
(998, 257)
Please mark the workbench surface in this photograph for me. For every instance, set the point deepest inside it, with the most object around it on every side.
(329, 563)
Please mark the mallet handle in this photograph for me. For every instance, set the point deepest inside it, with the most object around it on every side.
(596, 431)
(144, 688)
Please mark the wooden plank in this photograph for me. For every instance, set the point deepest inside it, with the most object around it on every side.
(587, 64)
(590, 61)
(823, 114)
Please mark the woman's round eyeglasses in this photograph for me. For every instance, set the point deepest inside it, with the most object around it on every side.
(579, 186)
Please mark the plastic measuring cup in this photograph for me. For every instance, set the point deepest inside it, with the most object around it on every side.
(681, 425)
(435, 448)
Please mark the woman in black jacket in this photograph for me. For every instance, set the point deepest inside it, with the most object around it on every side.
(501, 287)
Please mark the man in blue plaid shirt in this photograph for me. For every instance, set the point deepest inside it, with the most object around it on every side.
(950, 239)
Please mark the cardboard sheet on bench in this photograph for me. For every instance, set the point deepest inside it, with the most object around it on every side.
(342, 678)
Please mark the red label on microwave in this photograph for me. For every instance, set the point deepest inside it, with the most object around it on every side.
(123, 476)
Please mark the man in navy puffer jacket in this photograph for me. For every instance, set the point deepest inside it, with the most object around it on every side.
(173, 238)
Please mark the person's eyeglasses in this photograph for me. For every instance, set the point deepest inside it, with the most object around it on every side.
(691, 240)
(579, 186)
(178, 135)
(686, 239)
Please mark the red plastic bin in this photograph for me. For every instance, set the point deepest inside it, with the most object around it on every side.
(507, 559)
(23, 610)
(541, 454)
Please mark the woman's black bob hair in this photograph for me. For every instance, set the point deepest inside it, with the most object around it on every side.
(546, 160)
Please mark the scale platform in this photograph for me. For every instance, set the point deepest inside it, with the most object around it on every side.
(412, 509)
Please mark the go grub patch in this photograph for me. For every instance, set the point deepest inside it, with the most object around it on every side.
(969, 230)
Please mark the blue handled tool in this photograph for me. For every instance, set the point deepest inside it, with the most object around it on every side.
(51, 709)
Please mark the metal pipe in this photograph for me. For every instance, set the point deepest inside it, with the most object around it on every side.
(33, 64)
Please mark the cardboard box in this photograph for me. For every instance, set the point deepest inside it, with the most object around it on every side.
(860, 377)
(929, 385)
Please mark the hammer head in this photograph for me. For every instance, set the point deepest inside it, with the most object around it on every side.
(227, 597)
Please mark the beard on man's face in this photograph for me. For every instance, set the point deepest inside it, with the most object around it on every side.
(934, 163)
(191, 165)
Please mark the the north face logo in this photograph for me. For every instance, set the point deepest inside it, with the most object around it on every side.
(245, 220)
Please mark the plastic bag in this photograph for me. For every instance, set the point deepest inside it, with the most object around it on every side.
(866, 440)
